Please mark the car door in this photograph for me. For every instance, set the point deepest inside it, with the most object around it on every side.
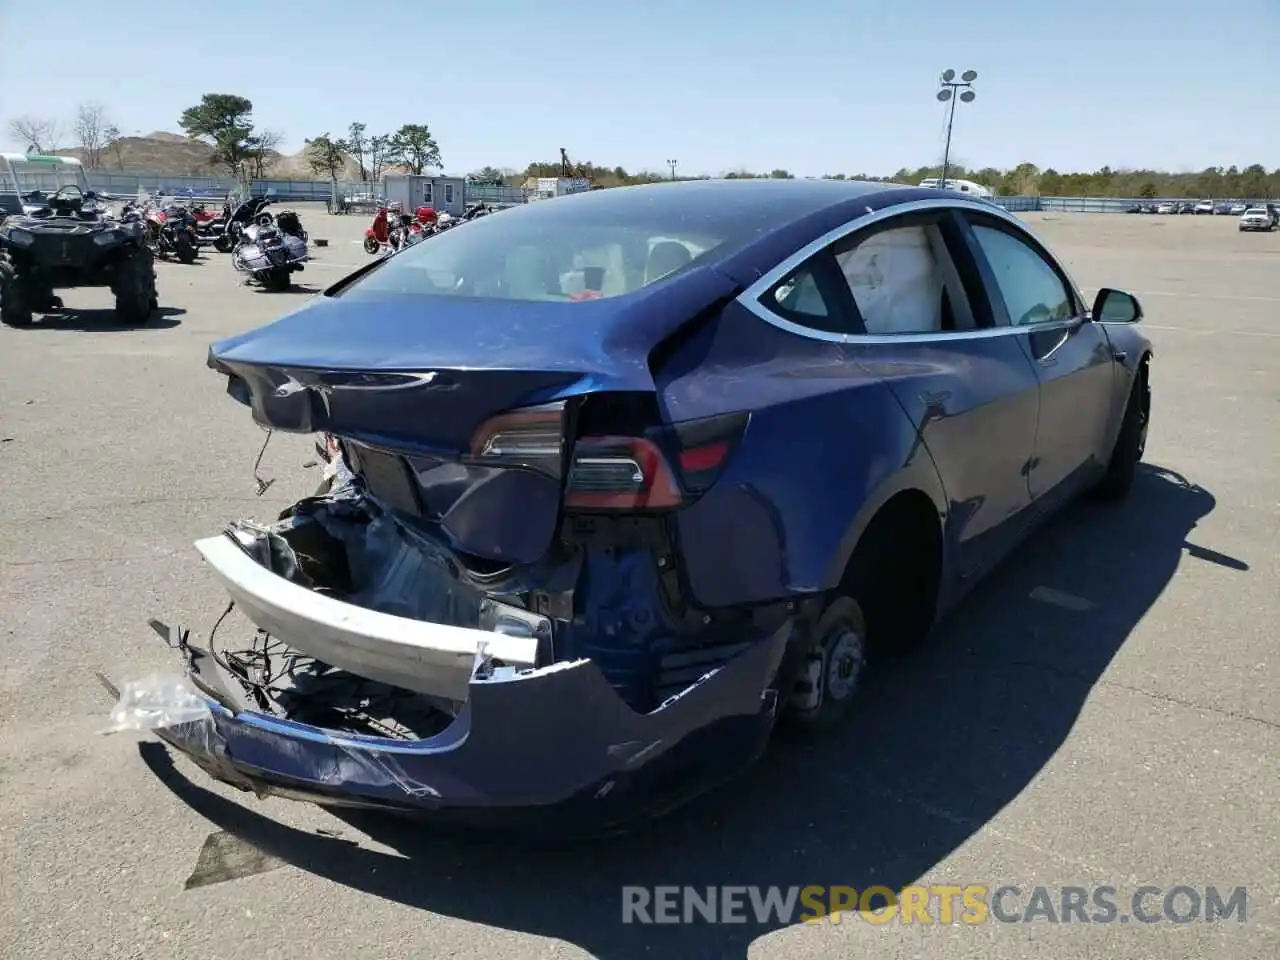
(1072, 356)
(919, 318)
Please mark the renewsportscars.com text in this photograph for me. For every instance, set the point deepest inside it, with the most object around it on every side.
(936, 904)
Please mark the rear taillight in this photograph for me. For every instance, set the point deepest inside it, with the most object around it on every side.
(705, 447)
(634, 473)
(532, 437)
(620, 473)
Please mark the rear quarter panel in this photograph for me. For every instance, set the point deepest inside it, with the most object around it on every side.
(827, 445)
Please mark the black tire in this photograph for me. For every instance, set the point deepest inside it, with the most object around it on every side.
(186, 248)
(1131, 442)
(371, 245)
(836, 664)
(277, 281)
(223, 243)
(134, 286)
(15, 299)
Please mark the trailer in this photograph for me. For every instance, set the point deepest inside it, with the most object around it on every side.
(548, 188)
(967, 187)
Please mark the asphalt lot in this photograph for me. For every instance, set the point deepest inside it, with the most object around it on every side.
(1103, 712)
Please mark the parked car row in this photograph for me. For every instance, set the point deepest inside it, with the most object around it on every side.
(1220, 208)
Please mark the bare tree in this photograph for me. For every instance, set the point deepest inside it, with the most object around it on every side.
(38, 134)
(91, 127)
(379, 147)
(264, 144)
(114, 146)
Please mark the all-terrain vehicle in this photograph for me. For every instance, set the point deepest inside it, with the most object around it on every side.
(69, 242)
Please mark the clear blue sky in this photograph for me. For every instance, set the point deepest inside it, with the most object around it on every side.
(814, 86)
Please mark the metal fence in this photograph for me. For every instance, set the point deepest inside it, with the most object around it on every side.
(1098, 204)
(319, 191)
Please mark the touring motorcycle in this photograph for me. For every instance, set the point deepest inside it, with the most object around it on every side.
(225, 232)
(271, 253)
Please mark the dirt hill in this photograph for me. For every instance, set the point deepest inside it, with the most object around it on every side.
(175, 155)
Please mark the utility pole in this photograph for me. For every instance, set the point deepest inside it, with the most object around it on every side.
(949, 86)
(672, 165)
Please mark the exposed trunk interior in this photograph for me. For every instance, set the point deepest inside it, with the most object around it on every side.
(350, 548)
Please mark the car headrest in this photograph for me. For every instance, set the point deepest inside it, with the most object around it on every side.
(666, 257)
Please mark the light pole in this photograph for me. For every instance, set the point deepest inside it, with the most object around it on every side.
(672, 165)
(949, 87)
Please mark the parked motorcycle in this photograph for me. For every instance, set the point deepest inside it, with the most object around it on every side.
(172, 232)
(226, 231)
(378, 232)
(271, 253)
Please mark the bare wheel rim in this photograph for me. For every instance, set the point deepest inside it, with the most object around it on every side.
(844, 664)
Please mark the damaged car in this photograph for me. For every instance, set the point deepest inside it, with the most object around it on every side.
(617, 481)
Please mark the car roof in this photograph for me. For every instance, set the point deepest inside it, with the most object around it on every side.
(732, 204)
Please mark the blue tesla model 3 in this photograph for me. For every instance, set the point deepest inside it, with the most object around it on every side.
(617, 480)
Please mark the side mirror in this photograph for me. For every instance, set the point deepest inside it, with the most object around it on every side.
(1116, 306)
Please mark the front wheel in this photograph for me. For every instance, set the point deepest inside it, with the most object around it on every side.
(15, 299)
(135, 288)
(1131, 443)
(371, 245)
(277, 281)
(186, 248)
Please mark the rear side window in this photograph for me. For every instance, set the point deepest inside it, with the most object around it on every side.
(898, 281)
(894, 278)
(1031, 288)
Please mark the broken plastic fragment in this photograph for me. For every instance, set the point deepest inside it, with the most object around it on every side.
(157, 701)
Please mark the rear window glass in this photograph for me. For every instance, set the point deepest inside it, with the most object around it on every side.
(511, 256)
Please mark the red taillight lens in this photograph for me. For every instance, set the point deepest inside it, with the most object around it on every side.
(620, 473)
(706, 446)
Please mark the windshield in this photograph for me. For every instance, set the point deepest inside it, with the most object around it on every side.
(46, 175)
(515, 257)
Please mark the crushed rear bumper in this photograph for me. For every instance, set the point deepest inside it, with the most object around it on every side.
(554, 748)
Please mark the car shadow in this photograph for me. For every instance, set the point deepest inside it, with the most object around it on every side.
(936, 748)
(105, 320)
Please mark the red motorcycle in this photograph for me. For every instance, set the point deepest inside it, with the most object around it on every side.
(172, 230)
(378, 234)
(394, 232)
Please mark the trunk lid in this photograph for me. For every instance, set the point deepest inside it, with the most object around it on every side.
(421, 390)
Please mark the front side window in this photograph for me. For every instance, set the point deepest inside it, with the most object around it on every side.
(1032, 290)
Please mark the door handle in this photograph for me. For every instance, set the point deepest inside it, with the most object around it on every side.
(1120, 355)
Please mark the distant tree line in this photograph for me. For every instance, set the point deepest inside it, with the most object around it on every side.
(1026, 179)
(225, 123)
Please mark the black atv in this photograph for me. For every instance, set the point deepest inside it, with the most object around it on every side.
(68, 242)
